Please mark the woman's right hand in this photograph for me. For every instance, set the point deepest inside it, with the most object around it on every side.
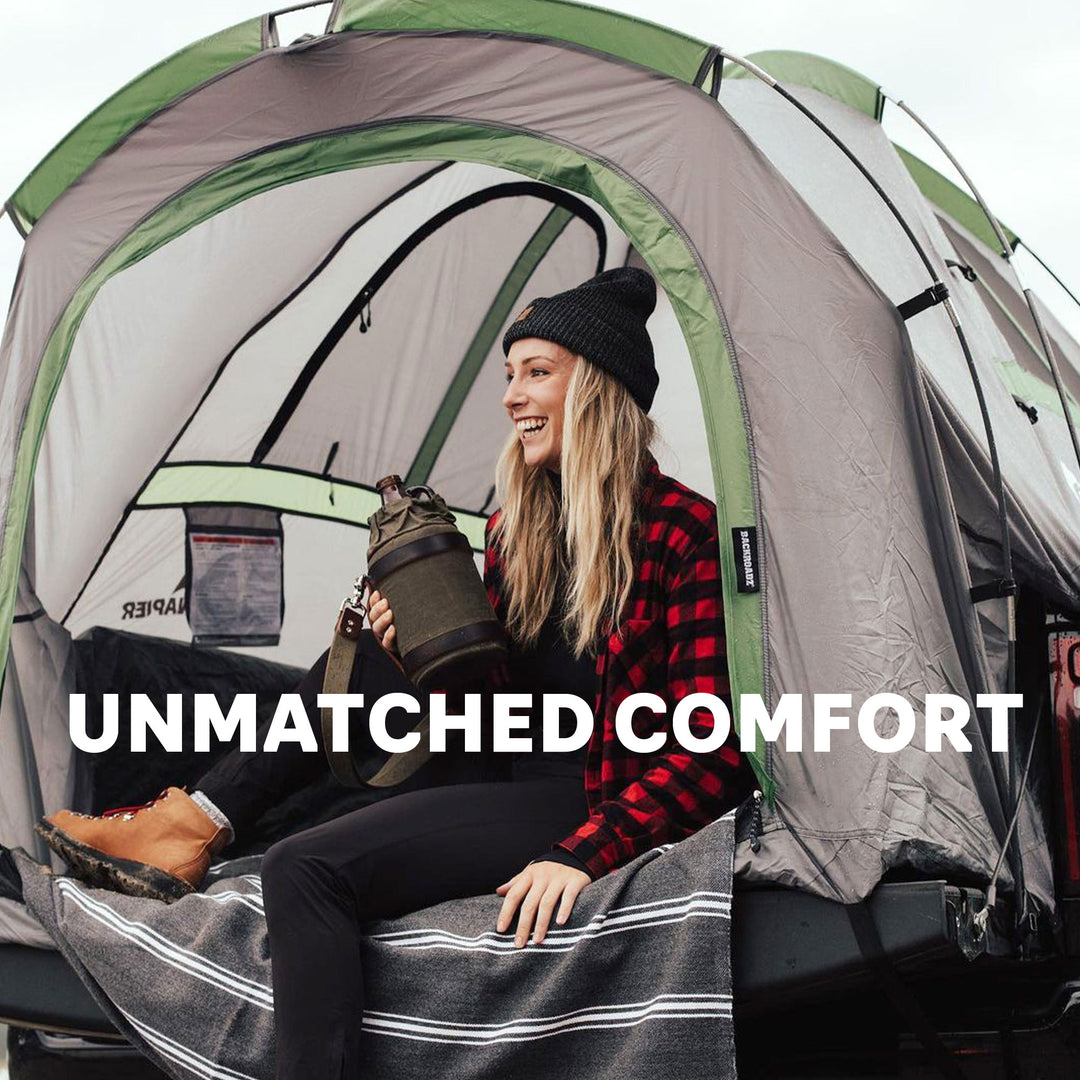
(382, 622)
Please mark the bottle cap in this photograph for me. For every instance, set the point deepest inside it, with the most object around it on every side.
(393, 480)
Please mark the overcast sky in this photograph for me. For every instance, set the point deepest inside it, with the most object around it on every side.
(996, 79)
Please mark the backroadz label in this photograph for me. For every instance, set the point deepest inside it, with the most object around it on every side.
(744, 540)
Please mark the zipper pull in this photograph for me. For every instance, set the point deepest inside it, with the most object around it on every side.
(755, 823)
(365, 322)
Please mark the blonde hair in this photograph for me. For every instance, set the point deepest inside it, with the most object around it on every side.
(605, 446)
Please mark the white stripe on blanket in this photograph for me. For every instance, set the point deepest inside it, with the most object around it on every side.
(525, 1029)
(169, 953)
(247, 899)
(602, 916)
(595, 1006)
(184, 1055)
(676, 909)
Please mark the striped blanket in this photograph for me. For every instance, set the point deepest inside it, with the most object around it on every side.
(637, 984)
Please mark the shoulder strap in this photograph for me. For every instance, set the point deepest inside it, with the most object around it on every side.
(339, 665)
(339, 668)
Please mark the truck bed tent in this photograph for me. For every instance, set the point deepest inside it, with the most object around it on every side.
(260, 277)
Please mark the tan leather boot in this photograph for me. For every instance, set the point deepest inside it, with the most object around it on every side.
(161, 850)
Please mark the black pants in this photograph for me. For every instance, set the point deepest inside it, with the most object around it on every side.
(397, 855)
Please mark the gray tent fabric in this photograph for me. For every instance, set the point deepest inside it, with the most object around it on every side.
(849, 206)
(868, 463)
(636, 985)
(824, 612)
(1046, 549)
(997, 283)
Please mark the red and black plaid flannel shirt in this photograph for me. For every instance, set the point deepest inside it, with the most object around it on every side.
(671, 643)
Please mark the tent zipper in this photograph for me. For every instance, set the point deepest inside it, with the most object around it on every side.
(615, 169)
(360, 305)
(756, 827)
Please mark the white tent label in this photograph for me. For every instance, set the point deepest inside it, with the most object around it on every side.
(744, 540)
(235, 582)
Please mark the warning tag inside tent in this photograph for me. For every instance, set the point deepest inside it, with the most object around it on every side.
(235, 583)
(744, 540)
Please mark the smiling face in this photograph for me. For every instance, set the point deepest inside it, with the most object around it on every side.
(537, 375)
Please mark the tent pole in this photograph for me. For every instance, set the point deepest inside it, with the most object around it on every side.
(1048, 350)
(1007, 255)
(1007, 586)
(999, 489)
(1064, 288)
(982, 916)
(1006, 247)
(1051, 361)
(270, 34)
(6, 208)
(819, 123)
(298, 7)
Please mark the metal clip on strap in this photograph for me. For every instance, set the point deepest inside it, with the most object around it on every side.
(344, 653)
(339, 665)
(938, 293)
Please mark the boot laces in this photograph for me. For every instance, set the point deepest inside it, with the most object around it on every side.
(129, 812)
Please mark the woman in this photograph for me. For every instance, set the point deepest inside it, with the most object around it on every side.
(606, 576)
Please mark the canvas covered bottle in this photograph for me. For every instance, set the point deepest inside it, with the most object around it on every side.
(447, 632)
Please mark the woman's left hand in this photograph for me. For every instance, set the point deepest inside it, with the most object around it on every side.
(538, 888)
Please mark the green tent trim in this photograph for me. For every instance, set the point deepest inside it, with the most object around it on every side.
(549, 230)
(844, 84)
(1032, 390)
(954, 201)
(826, 76)
(1035, 350)
(628, 38)
(126, 109)
(637, 40)
(674, 263)
(223, 484)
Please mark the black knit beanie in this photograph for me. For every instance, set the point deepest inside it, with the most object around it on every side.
(603, 320)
